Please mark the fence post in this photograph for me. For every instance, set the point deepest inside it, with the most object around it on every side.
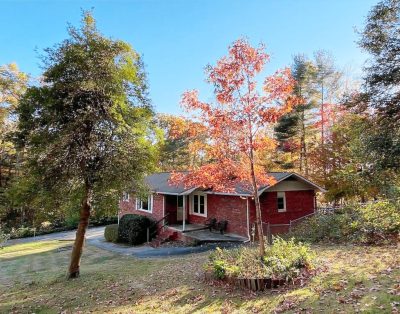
(290, 225)
(148, 234)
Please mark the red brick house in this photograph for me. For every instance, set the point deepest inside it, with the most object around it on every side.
(290, 198)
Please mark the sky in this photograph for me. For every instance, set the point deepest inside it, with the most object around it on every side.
(178, 38)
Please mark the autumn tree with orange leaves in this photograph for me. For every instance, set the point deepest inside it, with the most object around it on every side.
(238, 122)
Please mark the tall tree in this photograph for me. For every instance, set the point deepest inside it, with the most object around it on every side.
(293, 130)
(381, 93)
(13, 84)
(349, 163)
(87, 128)
(237, 122)
(327, 83)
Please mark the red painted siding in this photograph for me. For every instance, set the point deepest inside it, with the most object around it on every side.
(298, 204)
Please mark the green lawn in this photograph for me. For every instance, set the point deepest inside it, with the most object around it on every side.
(32, 280)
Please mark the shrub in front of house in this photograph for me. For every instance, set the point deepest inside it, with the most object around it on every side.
(111, 233)
(284, 261)
(374, 223)
(133, 229)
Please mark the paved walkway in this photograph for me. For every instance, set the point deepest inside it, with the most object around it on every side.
(146, 251)
(95, 237)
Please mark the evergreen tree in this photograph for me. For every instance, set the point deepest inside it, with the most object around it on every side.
(381, 38)
(87, 128)
(293, 130)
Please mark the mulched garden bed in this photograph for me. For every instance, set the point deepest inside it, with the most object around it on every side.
(261, 284)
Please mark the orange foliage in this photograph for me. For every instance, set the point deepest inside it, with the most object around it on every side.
(237, 121)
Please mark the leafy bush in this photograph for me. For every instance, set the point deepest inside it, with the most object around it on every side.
(286, 258)
(282, 260)
(374, 223)
(22, 232)
(72, 221)
(133, 229)
(322, 227)
(46, 225)
(3, 238)
(111, 233)
(101, 221)
(377, 222)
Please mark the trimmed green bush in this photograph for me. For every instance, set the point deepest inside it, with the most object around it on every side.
(111, 233)
(133, 229)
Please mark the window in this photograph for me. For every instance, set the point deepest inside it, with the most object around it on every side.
(281, 200)
(199, 204)
(145, 204)
(125, 197)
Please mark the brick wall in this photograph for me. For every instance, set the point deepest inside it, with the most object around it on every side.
(225, 207)
(233, 209)
(129, 207)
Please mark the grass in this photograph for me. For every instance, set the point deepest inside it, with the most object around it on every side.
(33, 280)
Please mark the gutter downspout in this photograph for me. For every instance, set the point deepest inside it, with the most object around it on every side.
(184, 213)
(248, 219)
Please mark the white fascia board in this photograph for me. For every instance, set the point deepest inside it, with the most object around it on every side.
(321, 189)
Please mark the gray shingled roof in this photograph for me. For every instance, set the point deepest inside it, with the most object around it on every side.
(158, 182)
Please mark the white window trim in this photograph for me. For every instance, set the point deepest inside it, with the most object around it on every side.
(282, 194)
(192, 212)
(150, 200)
(125, 197)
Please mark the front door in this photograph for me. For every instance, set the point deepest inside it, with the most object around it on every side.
(179, 206)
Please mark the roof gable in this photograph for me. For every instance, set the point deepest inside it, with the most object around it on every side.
(292, 175)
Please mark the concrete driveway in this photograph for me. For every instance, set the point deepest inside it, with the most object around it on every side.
(91, 233)
(95, 237)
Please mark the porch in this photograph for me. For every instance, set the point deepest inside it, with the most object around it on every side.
(202, 234)
(182, 221)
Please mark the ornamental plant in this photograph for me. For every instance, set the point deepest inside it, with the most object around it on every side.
(284, 259)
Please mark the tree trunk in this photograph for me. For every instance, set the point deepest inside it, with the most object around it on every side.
(323, 131)
(303, 144)
(80, 233)
(258, 213)
(259, 224)
(255, 194)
